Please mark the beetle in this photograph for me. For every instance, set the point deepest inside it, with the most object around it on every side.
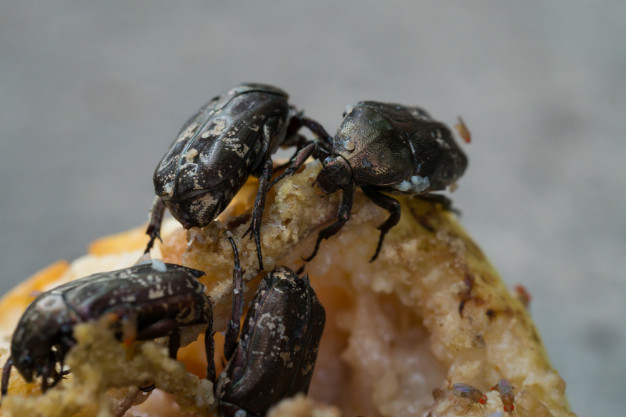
(152, 299)
(230, 138)
(383, 148)
(275, 355)
(273, 358)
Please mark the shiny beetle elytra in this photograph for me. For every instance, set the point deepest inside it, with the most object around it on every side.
(232, 137)
(383, 147)
(276, 352)
(152, 299)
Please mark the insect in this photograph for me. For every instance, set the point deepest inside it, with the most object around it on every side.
(151, 300)
(466, 391)
(506, 394)
(523, 295)
(276, 353)
(383, 148)
(232, 137)
(463, 131)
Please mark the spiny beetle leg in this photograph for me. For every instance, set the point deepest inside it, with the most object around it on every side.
(154, 226)
(257, 211)
(342, 217)
(6, 373)
(388, 203)
(296, 163)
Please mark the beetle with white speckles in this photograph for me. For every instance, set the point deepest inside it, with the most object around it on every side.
(230, 138)
(144, 301)
(275, 355)
(384, 147)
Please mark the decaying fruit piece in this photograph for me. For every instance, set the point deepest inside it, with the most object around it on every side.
(428, 313)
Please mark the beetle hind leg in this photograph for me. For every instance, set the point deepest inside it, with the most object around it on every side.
(391, 205)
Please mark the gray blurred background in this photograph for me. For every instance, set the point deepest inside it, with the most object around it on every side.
(91, 95)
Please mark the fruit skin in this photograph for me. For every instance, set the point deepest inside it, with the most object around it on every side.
(423, 269)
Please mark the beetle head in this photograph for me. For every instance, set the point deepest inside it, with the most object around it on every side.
(198, 209)
(335, 174)
(41, 336)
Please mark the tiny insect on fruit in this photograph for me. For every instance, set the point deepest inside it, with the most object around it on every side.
(150, 300)
(506, 394)
(384, 148)
(469, 392)
(522, 294)
(232, 137)
(463, 131)
(275, 355)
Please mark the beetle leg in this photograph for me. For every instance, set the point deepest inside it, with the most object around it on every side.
(388, 203)
(160, 328)
(154, 226)
(296, 162)
(174, 342)
(6, 374)
(300, 142)
(230, 340)
(342, 217)
(259, 206)
(298, 121)
(209, 350)
(157, 329)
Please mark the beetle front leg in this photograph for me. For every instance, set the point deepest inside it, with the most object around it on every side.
(343, 215)
(6, 374)
(156, 219)
(259, 206)
(388, 203)
(296, 162)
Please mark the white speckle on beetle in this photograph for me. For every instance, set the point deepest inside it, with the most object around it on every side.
(158, 265)
(156, 292)
(169, 188)
(218, 126)
(286, 356)
(188, 132)
(417, 184)
(190, 154)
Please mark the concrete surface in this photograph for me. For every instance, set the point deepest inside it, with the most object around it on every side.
(91, 95)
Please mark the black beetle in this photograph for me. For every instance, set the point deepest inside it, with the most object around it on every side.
(232, 137)
(273, 359)
(153, 299)
(276, 352)
(383, 147)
